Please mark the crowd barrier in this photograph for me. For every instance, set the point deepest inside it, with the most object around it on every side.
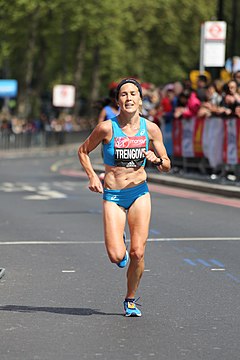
(209, 144)
(9, 140)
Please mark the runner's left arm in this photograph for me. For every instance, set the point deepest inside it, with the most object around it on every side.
(155, 135)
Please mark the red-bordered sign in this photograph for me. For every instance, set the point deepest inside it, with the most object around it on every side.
(215, 30)
(64, 95)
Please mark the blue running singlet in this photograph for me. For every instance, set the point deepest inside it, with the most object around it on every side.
(126, 151)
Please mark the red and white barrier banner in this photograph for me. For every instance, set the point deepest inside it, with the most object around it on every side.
(198, 137)
(212, 140)
(231, 147)
(215, 138)
(177, 137)
(188, 127)
(187, 137)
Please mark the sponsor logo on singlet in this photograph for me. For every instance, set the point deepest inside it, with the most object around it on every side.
(128, 151)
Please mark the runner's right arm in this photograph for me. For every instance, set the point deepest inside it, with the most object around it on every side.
(99, 134)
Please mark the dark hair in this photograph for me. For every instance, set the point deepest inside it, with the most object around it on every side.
(202, 78)
(126, 81)
(112, 93)
(228, 91)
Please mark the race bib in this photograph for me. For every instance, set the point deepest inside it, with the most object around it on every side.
(128, 151)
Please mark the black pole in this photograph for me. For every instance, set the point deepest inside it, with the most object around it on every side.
(234, 27)
(220, 15)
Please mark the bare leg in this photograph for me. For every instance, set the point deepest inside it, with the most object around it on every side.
(114, 218)
(138, 221)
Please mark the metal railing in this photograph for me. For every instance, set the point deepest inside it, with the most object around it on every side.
(10, 141)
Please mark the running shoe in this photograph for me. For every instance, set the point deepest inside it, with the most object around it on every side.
(130, 308)
(124, 261)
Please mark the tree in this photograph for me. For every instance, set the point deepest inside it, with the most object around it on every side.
(92, 43)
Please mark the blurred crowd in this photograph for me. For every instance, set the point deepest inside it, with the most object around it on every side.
(183, 100)
(160, 104)
(16, 125)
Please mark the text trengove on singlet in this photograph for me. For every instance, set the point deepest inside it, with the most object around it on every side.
(128, 151)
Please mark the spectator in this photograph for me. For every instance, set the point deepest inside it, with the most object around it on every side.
(201, 87)
(149, 101)
(167, 103)
(236, 77)
(110, 110)
(188, 104)
(231, 98)
(178, 89)
(212, 103)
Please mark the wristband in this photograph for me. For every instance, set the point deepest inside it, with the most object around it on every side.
(160, 162)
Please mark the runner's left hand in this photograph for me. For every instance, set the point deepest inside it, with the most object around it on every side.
(150, 156)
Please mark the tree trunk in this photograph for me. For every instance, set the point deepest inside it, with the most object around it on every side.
(25, 105)
(94, 94)
(79, 71)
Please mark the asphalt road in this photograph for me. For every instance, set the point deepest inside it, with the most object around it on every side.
(61, 298)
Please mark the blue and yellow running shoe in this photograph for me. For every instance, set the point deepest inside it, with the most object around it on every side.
(124, 261)
(130, 308)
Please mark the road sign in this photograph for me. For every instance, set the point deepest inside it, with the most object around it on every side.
(215, 30)
(8, 88)
(64, 95)
(213, 37)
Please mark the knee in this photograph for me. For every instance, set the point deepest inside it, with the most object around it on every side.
(137, 254)
(115, 256)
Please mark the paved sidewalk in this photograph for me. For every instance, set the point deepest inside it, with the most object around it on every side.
(187, 181)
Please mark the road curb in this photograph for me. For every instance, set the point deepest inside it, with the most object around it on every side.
(158, 178)
(197, 185)
(189, 184)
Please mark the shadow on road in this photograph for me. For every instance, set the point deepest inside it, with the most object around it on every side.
(55, 310)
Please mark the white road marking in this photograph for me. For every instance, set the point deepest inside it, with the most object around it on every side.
(28, 188)
(8, 184)
(53, 194)
(42, 192)
(8, 187)
(50, 242)
(220, 269)
(46, 195)
(67, 186)
(196, 239)
(43, 187)
(23, 242)
(36, 197)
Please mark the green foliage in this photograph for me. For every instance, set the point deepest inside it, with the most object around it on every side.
(156, 40)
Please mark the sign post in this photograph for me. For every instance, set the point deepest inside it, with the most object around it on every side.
(201, 66)
(212, 49)
(64, 96)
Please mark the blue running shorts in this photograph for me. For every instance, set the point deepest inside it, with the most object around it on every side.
(125, 197)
